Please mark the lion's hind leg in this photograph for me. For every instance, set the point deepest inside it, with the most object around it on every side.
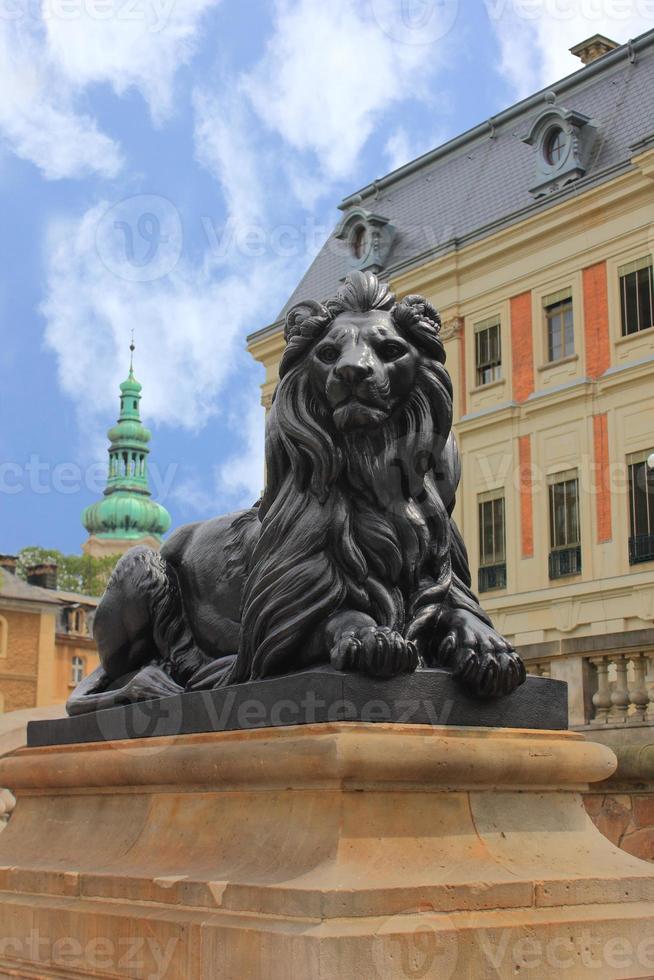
(143, 640)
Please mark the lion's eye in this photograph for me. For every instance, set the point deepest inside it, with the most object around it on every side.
(391, 351)
(328, 354)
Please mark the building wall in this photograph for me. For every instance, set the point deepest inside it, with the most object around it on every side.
(66, 648)
(29, 642)
(586, 412)
(35, 661)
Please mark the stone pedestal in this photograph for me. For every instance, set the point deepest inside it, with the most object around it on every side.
(322, 852)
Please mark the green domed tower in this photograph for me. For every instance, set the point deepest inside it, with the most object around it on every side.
(126, 515)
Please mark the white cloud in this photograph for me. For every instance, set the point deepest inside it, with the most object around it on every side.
(235, 483)
(401, 148)
(398, 149)
(38, 118)
(189, 325)
(328, 72)
(139, 44)
(224, 146)
(240, 478)
(47, 62)
(534, 38)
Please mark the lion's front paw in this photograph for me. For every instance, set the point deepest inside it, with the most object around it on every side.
(484, 660)
(374, 650)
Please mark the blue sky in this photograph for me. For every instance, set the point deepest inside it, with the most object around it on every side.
(171, 166)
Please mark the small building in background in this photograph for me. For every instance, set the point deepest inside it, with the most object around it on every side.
(46, 637)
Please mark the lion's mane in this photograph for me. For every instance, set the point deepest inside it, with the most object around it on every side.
(349, 520)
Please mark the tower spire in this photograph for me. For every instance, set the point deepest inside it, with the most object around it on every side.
(126, 515)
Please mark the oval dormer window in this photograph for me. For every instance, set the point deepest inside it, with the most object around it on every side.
(555, 145)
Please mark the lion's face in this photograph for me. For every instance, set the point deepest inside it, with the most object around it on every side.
(363, 369)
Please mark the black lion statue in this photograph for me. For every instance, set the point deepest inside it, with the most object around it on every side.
(350, 559)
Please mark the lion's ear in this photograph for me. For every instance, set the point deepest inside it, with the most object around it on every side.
(421, 323)
(307, 318)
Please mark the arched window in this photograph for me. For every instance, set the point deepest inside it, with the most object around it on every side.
(4, 636)
(77, 670)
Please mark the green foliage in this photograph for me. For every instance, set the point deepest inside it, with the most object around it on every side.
(75, 573)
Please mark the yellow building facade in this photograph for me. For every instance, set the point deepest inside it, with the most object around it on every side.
(46, 644)
(548, 322)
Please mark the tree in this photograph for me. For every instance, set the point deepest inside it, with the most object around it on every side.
(75, 573)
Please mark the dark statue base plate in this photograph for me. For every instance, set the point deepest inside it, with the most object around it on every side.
(427, 697)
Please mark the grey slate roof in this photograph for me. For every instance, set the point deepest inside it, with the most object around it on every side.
(14, 587)
(479, 182)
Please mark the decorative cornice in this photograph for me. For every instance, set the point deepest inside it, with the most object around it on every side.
(451, 328)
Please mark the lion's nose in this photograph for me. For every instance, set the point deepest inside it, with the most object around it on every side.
(351, 373)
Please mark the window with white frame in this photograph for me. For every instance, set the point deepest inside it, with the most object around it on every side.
(488, 351)
(559, 325)
(565, 537)
(636, 295)
(77, 670)
(641, 508)
(492, 541)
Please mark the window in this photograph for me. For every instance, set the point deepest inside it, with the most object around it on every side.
(565, 546)
(488, 351)
(358, 241)
(77, 670)
(641, 509)
(492, 546)
(555, 145)
(559, 324)
(636, 290)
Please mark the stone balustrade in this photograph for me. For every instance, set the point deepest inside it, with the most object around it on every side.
(616, 688)
(622, 696)
(610, 677)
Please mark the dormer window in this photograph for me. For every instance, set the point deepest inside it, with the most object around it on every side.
(368, 238)
(563, 140)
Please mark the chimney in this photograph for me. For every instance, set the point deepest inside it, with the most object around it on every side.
(43, 575)
(593, 48)
(8, 563)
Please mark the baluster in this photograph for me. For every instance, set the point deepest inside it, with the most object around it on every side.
(602, 696)
(638, 693)
(620, 693)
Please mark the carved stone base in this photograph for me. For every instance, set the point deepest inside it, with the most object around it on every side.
(334, 852)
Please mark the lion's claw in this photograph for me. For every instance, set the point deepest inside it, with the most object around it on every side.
(484, 661)
(375, 650)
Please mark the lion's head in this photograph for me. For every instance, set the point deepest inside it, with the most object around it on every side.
(362, 350)
(363, 368)
(353, 509)
(362, 377)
